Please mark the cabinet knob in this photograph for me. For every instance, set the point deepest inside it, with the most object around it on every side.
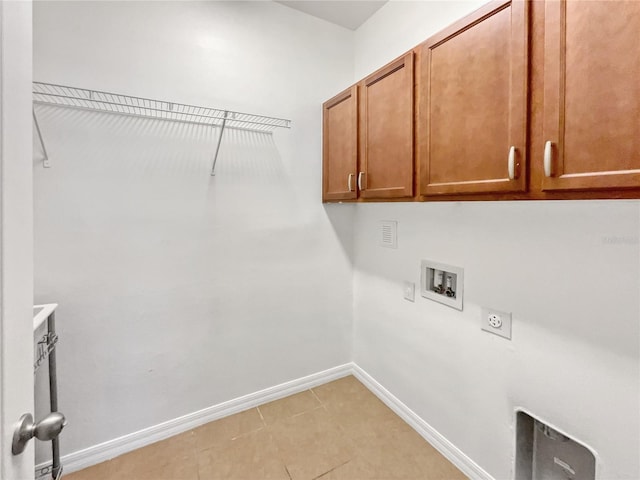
(360, 175)
(511, 164)
(349, 182)
(548, 151)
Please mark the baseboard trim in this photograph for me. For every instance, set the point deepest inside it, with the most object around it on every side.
(118, 446)
(465, 464)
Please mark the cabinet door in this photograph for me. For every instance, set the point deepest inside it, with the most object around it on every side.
(386, 131)
(473, 103)
(591, 95)
(340, 146)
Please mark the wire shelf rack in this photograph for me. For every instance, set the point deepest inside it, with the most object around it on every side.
(74, 97)
(116, 103)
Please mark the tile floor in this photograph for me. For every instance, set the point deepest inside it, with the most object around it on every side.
(337, 431)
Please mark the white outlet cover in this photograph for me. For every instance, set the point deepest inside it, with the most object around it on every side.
(410, 291)
(496, 322)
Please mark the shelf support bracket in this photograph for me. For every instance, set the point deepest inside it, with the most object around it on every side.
(46, 163)
(215, 157)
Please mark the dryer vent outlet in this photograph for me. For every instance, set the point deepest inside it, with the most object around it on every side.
(544, 453)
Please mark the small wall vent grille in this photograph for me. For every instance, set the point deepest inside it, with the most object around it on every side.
(389, 234)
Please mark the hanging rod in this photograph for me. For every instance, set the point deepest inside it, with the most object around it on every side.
(115, 103)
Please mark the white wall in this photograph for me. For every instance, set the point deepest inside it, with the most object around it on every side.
(399, 26)
(177, 290)
(569, 272)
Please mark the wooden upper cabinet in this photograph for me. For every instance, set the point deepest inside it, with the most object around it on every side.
(340, 146)
(386, 131)
(473, 103)
(591, 95)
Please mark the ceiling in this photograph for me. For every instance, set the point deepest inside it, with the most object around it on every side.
(347, 13)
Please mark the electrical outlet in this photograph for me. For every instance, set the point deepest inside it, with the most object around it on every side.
(496, 322)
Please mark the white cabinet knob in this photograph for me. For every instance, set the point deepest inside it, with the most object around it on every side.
(511, 165)
(548, 151)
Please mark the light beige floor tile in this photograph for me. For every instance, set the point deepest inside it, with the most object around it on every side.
(341, 390)
(251, 456)
(171, 459)
(227, 428)
(289, 406)
(311, 444)
(102, 471)
(439, 469)
(383, 454)
(178, 469)
(431, 463)
(349, 395)
(403, 454)
(362, 416)
(357, 469)
(348, 435)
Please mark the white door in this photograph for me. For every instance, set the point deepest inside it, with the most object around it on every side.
(16, 232)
